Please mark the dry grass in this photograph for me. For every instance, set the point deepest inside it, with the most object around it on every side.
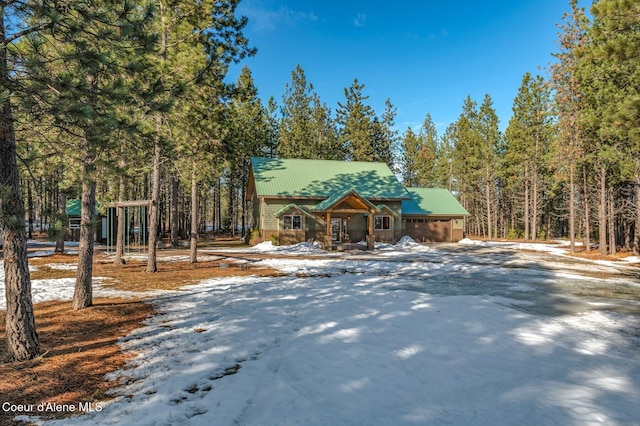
(595, 255)
(78, 347)
(132, 276)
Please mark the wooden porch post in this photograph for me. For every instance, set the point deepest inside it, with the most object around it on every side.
(328, 239)
(370, 235)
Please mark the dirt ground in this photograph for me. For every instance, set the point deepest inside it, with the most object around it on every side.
(78, 349)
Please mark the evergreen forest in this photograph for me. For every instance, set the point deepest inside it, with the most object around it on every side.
(110, 102)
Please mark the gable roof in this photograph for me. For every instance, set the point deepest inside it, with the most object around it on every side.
(293, 206)
(280, 177)
(338, 197)
(384, 207)
(433, 202)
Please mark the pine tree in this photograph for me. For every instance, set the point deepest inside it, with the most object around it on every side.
(444, 159)
(297, 130)
(247, 136)
(427, 153)
(611, 70)
(272, 130)
(410, 152)
(85, 79)
(355, 120)
(491, 149)
(529, 136)
(326, 146)
(22, 339)
(383, 135)
(199, 124)
(467, 164)
(567, 89)
(197, 43)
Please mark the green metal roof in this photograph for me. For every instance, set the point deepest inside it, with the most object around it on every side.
(324, 178)
(432, 201)
(74, 207)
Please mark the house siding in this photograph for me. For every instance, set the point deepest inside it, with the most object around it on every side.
(271, 226)
(395, 233)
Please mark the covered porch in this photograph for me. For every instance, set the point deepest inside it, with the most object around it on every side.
(348, 218)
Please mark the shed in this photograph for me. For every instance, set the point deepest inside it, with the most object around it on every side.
(73, 209)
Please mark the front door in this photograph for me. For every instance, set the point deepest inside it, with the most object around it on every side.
(336, 224)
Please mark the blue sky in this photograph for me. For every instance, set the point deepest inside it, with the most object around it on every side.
(426, 56)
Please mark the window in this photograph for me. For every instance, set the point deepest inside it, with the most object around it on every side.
(381, 222)
(292, 222)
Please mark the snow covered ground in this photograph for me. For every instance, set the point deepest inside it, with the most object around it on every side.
(409, 334)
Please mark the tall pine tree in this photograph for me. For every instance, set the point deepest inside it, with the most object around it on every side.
(87, 80)
(567, 92)
(355, 119)
(297, 130)
(612, 66)
(529, 136)
(22, 339)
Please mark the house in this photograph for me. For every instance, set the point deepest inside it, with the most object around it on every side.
(296, 200)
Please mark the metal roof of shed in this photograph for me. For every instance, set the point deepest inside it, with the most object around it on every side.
(279, 177)
(74, 207)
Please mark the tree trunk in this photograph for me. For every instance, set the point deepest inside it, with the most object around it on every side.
(203, 212)
(63, 222)
(193, 258)
(152, 265)
(602, 211)
(245, 172)
(22, 339)
(30, 209)
(120, 217)
(83, 292)
(636, 237)
(175, 221)
(612, 223)
(572, 211)
(587, 218)
(488, 202)
(41, 206)
(232, 203)
(534, 205)
(526, 202)
(219, 205)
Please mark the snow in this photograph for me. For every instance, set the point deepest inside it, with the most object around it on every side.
(62, 289)
(547, 248)
(304, 248)
(405, 335)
